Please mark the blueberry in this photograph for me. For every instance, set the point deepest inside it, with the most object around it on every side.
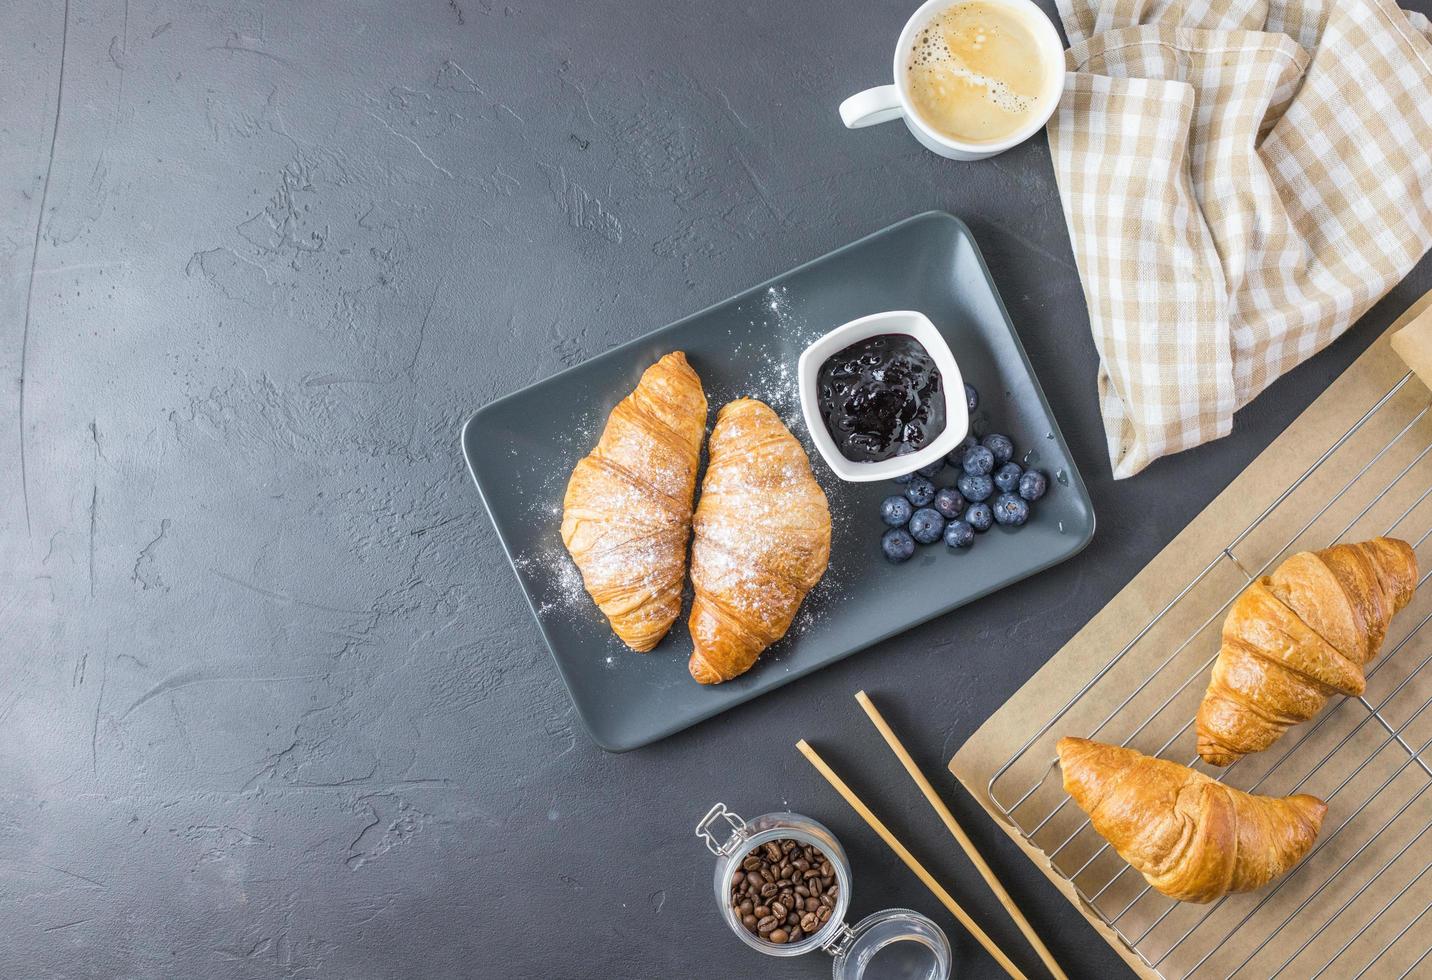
(1033, 484)
(956, 456)
(927, 526)
(897, 545)
(949, 502)
(932, 469)
(1007, 477)
(978, 461)
(895, 510)
(959, 534)
(1001, 446)
(975, 488)
(1011, 509)
(920, 492)
(972, 397)
(905, 451)
(979, 517)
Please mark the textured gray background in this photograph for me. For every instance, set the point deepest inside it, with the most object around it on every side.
(271, 703)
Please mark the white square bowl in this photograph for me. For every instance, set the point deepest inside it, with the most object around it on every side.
(911, 323)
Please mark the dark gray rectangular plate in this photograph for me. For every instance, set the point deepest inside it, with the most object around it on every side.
(521, 449)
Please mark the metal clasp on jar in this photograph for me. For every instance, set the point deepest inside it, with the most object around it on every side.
(734, 824)
(839, 944)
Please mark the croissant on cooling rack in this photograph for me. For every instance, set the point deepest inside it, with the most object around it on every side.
(1193, 838)
(762, 540)
(1294, 638)
(626, 516)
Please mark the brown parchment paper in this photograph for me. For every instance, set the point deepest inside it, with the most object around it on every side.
(1138, 669)
(1413, 343)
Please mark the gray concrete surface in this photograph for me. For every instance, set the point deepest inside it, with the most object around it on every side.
(271, 703)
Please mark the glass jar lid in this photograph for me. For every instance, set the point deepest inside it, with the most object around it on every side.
(895, 944)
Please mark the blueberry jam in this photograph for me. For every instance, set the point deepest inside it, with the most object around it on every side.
(880, 396)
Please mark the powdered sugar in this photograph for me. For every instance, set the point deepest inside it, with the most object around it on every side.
(550, 485)
(558, 583)
(774, 382)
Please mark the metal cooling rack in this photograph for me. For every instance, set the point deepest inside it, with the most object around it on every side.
(1368, 757)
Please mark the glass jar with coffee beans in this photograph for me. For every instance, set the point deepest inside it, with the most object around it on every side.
(783, 886)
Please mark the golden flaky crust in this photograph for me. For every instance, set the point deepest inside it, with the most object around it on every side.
(1191, 837)
(626, 517)
(1298, 636)
(762, 540)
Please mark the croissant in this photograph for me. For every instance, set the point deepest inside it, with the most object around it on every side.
(1192, 838)
(762, 540)
(626, 517)
(1294, 638)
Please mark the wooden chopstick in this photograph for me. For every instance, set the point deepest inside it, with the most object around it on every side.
(875, 824)
(959, 834)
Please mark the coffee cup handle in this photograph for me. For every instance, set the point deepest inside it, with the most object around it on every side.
(874, 105)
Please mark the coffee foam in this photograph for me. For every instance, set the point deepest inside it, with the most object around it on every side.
(933, 53)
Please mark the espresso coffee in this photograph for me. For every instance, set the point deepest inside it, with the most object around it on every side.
(975, 72)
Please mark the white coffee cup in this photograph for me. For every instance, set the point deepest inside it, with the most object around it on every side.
(886, 102)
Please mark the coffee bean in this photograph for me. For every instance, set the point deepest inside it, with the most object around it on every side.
(784, 891)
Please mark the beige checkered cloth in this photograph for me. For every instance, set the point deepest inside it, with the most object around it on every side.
(1241, 180)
